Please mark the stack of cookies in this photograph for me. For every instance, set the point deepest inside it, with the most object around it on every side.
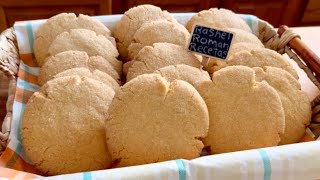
(63, 129)
(170, 106)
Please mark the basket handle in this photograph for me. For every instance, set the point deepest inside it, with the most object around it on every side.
(305, 53)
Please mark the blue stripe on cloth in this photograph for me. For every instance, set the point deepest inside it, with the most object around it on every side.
(31, 70)
(248, 18)
(266, 164)
(182, 169)
(30, 35)
(87, 176)
(27, 86)
(19, 126)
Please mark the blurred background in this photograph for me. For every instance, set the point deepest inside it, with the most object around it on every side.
(277, 12)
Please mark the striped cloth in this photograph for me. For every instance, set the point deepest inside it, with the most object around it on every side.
(298, 161)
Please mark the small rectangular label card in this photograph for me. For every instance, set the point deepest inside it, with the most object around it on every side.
(210, 42)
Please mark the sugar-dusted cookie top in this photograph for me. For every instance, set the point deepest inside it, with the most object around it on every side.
(88, 41)
(184, 72)
(74, 59)
(244, 113)
(151, 120)
(218, 18)
(152, 58)
(158, 31)
(295, 102)
(61, 23)
(63, 127)
(261, 57)
(95, 74)
(132, 20)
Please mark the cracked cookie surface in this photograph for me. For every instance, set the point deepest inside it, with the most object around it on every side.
(63, 127)
(132, 20)
(152, 58)
(74, 59)
(244, 114)
(295, 102)
(151, 120)
(61, 23)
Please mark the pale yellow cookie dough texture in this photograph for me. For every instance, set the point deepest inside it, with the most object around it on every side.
(158, 31)
(261, 57)
(95, 74)
(74, 59)
(214, 65)
(242, 40)
(152, 58)
(184, 72)
(244, 113)
(295, 102)
(88, 41)
(151, 120)
(132, 20)
(63, 128)
(61, 23)
(218, 18)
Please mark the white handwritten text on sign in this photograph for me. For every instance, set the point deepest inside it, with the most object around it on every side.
(210, 42)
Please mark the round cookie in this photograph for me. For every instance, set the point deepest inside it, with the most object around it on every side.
(61, 23)
(214, 65)
(218, 18)
(88, 41)
(158, 31)
(261, 57)
(179, 120)
(184, 72)
(244, 114)
(132, 20)
(295, 102)
(152, 58)
(63, 122)
(74, 59)
(95, 74)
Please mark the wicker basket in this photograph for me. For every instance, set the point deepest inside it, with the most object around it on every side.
(285, 41)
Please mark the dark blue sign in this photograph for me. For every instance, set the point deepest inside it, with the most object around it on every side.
(210, 42)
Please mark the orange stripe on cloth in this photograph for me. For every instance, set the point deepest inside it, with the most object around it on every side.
(306, 138)
(5, 157)
(23, 166)
(14, 174)
(27, 76)
(10, 157)
(23, 95)
(29, 60)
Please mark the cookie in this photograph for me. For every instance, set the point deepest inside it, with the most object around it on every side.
(158, 31)
(95, 74)
(63, 122)
(152, 58)
(74, 59)
(214, 65)
(184, 72)
(218, 18)
(179, 120)
(88, 41)
(126, 66)
(61, 23)
(244, 113)
(295, 102)
(261, 57)
(132, 20)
